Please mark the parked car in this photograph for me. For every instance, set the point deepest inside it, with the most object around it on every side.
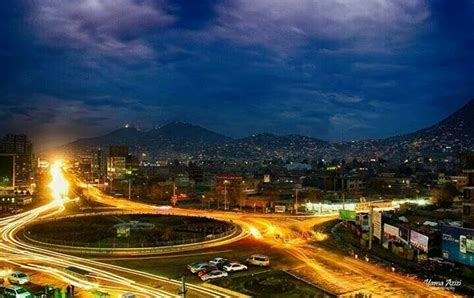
(198, 266)
(15, 292)
(218, 261)
(213, 275)
(206, 270)
(234, 266)
(18, 278)
(259, 260)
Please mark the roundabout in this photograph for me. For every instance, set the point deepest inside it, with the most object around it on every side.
(128, 233)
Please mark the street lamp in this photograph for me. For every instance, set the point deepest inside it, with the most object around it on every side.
(225, 194)
(129, 172)
(296, 200)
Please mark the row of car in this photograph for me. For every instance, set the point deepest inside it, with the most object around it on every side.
(14, 291)
(220, 267)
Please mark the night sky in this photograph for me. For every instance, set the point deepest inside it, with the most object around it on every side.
(332, 69)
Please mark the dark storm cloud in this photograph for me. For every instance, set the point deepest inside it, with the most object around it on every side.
(334, 69)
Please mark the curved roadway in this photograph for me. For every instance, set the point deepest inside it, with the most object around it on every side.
(328, 269)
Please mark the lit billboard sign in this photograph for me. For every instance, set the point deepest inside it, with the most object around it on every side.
(391, 232)
(458, 245)
(7, 171)
(347, 214)
(419, 241)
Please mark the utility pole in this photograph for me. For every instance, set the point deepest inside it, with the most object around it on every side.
(371, 226)
(183, 290)
(225, 194)
(174, 187)
(129, 188)
(343, 201)
(129, 184)
(296, 200)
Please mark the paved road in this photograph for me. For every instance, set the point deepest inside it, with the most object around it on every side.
(102, 276)
(318, 264)
(294, 236)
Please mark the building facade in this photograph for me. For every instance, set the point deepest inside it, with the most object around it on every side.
(21, 147)
(467, 168)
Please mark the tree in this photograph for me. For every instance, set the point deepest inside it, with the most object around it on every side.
(444, 196)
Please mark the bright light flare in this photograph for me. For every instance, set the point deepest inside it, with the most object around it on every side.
(255, 233)
(319, 236)
(58, 185)
(5, 272)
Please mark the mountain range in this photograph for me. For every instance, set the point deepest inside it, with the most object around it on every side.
(183, 140)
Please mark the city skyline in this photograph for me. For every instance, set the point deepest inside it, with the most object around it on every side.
(331, 70)
(239, 148)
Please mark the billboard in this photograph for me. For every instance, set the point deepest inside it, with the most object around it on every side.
(391, 232)
(377, 222)
(365, 206)
(347, 215)
(280, 208)
(7, 171)
(419, 241)
(458, 245)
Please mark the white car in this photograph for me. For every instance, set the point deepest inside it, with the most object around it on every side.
(196, 267)
(214, 274)
(18, 278)
(218, 261)
(234, 266)
(259, 260)
(16, 292)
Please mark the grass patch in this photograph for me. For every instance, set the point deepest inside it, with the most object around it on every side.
(99, 231)
(270, 284)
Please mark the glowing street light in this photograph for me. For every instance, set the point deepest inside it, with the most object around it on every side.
(226, 182)
(58, 185)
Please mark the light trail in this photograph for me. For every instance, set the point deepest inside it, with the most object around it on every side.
(329, 270)
(104, 273)
(324, 267)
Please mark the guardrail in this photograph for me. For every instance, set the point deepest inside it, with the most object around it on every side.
(170, 246)
(79, 244)
(134, 251)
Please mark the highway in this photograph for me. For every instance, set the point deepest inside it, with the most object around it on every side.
(307, 256)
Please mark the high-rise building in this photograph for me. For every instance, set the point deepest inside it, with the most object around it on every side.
(21, 147)
(7, 172)
(101, 165)
(117, 162)
(86, 166)
(467, 167)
